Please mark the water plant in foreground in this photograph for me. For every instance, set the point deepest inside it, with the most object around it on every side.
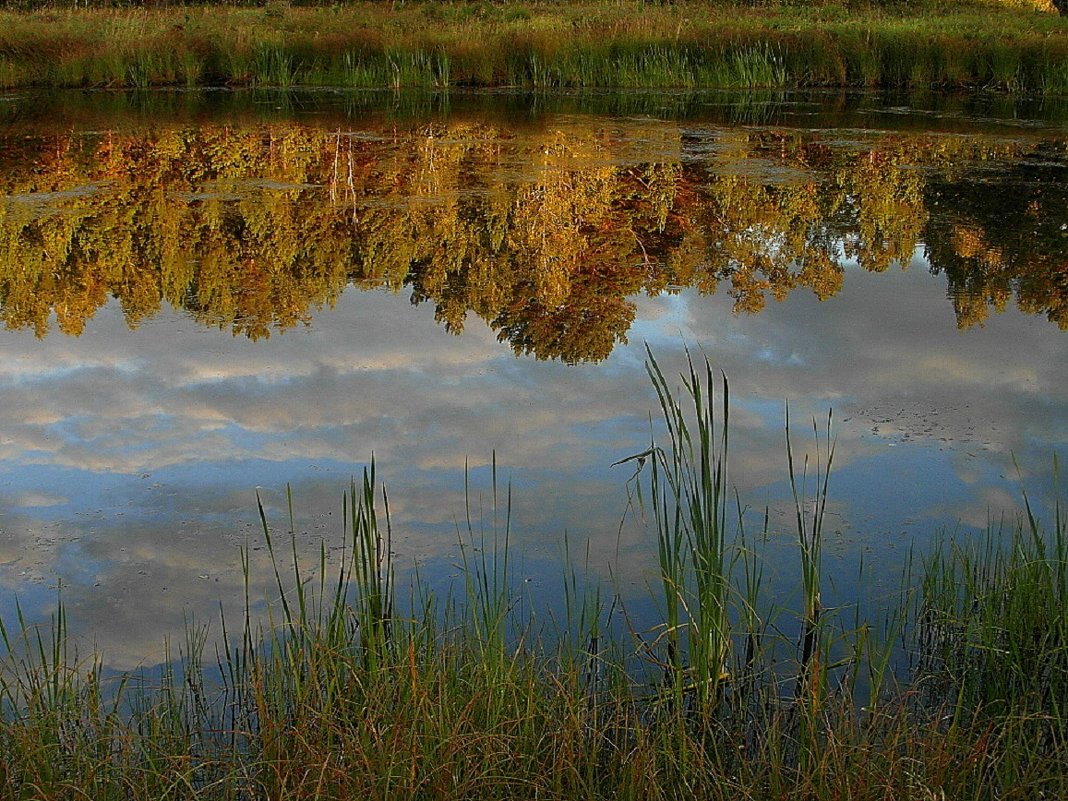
(346, 690)
(994, 624)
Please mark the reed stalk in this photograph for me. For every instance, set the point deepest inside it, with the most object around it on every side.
(810, 516)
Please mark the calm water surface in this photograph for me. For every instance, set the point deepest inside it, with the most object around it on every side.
(208, 295)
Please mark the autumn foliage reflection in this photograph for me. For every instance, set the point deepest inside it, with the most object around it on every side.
(546, 232)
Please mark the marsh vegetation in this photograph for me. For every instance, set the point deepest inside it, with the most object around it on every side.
(358, 685)
(1019, 47)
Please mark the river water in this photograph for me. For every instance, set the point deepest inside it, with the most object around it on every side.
(209, 296)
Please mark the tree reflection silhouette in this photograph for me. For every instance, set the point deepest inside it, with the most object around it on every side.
(546, 234)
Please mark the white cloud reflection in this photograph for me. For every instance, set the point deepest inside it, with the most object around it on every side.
(129, 459)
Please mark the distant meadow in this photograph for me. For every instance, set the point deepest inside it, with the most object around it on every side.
(1020, 47)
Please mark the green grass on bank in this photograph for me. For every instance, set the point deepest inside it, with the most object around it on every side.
(542, 45)
(341, 695)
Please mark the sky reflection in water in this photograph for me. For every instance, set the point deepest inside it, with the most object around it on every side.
(130, 458)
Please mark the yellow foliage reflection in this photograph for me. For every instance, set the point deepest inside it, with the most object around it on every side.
(546, 233)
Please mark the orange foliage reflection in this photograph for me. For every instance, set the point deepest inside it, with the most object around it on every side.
(545, 234)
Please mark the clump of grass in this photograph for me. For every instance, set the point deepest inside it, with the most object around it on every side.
(395, 70)
(757, 66)
(11, 75)
(418, 70)
(688, 497)
(274, 66)
(1054, 79)
(994, 622)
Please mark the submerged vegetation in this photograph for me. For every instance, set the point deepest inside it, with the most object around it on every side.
(353, 690)
(1021, 46)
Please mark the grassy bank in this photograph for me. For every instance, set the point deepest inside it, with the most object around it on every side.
(343, 695)
(542, 45)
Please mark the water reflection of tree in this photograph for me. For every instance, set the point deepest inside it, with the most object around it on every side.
(545, 235)
(1003, 234)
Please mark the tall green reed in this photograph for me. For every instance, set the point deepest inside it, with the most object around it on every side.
(484, 551)
(760, 65)
(373, 606)
(687, 498)
(273, 66)
(810, 523)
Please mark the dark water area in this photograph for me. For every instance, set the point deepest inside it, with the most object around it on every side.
(205, 295)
